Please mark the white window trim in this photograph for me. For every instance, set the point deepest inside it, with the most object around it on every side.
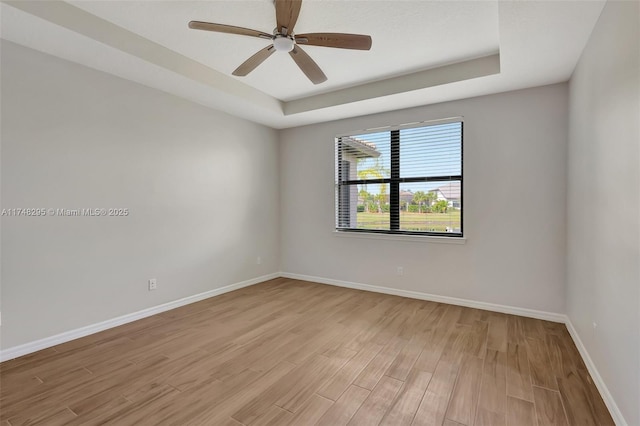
(401, 237)
(411, 125)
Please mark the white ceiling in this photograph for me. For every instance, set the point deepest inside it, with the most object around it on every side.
(423, 51)
(166, 23)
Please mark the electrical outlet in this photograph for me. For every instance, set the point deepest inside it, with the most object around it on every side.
(153, 284)
(259, 261)
(399, 270)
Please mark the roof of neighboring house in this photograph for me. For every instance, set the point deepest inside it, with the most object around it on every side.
(359, 148)
(450, 191)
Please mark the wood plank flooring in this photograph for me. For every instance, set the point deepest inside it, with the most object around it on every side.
(288, 352)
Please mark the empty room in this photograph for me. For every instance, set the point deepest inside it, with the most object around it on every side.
(320, 212)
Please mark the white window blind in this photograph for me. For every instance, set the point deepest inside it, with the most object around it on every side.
(405, 180)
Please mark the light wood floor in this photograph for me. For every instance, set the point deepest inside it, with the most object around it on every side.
(291, 352)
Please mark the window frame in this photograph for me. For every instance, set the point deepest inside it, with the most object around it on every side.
(394, 181)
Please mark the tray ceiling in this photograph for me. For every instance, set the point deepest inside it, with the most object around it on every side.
(422, 52)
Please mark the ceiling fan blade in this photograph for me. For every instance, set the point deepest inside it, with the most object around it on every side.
(250, 64)
(229, 29)
(307, 65)
(340, 40)
(287, 12)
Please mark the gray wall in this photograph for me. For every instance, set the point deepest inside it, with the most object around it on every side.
(514, 201)
(201, 187)
(603, 262)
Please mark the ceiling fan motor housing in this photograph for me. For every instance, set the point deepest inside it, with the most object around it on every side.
(283, 43)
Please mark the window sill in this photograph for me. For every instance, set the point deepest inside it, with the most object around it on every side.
(400, 237)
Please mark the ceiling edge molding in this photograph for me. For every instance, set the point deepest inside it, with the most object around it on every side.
(79, 21)
(459, 71)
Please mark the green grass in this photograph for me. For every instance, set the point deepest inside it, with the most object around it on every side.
(435, 222)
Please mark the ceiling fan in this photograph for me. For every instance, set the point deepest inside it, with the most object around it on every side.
(285, 40)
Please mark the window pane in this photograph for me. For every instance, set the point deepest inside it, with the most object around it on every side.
(424, 163)
(431, 207)
(431, 151)
(365, 156)
(373, 207)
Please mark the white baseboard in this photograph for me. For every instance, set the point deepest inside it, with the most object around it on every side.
(531, 313)
(615, 412)
(67, 336)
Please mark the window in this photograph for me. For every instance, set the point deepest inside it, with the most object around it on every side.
(406, 180)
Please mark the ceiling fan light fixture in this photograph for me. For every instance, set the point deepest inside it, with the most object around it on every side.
(283, 44)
